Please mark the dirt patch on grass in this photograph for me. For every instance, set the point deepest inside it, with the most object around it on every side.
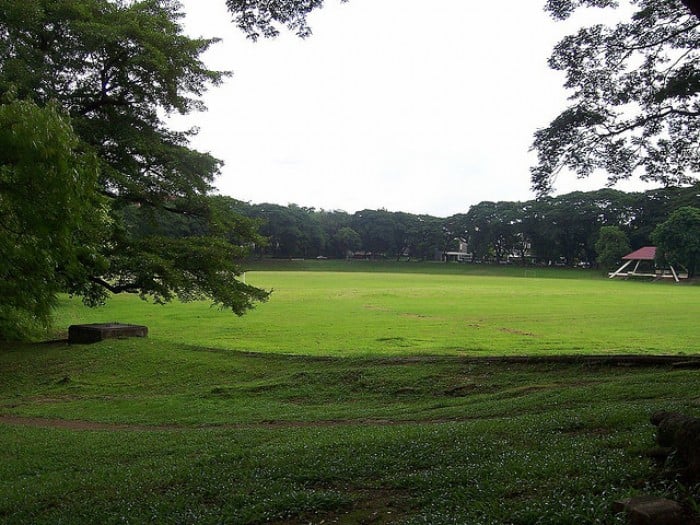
(371, 506)
(43, 400)
(72, 424)
(516, 332)
(461, 390)
(528, 389)
(571, 359)
(374, 506)
(83, 425)
(375, 308)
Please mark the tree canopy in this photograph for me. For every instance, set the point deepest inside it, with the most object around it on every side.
(612, 245)
(113, 71)
(635, 98)
(265, 17)
(678, 239)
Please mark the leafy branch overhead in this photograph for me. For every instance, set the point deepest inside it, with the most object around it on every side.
(635, 97)
(264, 18)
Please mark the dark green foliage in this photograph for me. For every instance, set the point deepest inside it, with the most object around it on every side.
(116, 69)
(423, 234)
(347, 239)
(263, 18)
(678, 239)
(635, 95)
(381, 232)
(51, 216)
(612, 245)
(291, 231)
(560, 230)
(651, 208)
(300, 232)
(492, 228)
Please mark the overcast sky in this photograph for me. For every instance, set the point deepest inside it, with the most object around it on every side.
(396, 104)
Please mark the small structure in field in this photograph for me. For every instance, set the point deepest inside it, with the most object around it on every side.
(644, 260)
(92, 333)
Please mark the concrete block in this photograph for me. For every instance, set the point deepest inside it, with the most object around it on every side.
(92, 333)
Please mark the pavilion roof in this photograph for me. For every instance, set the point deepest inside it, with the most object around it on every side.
(647, 253)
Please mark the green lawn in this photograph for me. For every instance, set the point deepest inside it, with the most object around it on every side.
(334, 421)
(502, 311)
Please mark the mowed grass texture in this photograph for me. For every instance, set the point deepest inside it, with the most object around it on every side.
(356, 313)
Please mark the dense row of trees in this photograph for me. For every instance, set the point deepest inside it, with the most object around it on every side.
(562, 229)
(294, 231)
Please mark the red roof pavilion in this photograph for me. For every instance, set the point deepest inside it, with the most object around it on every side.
(647, 253)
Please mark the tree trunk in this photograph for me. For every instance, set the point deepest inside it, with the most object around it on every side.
(682, 433)
(693, 6)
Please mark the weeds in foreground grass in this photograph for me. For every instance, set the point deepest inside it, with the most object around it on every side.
(490, 472)
(282, 439)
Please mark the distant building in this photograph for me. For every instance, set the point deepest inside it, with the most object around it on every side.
(461, 255)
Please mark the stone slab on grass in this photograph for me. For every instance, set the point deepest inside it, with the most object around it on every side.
(93, 333)
(651, 510)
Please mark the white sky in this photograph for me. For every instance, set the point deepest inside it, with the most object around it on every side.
(388, 105)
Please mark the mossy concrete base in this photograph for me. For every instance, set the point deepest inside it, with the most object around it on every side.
(92, 333)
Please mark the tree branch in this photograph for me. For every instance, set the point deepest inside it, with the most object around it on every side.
(130, 288)
(146, 202)
(693, 6)
(641, 121)
(102, 102)
(662, 41)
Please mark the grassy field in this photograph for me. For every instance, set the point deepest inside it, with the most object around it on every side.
(433, 309)
(332, 421)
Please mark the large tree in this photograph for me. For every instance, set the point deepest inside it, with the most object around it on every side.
(490, 228)
(612, 245)
(635, 101)
(347, 240)
(115, 70)
(678, 239)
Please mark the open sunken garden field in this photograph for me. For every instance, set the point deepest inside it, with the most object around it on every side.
(360, 393)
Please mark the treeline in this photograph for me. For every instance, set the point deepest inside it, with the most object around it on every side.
(561, 230)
